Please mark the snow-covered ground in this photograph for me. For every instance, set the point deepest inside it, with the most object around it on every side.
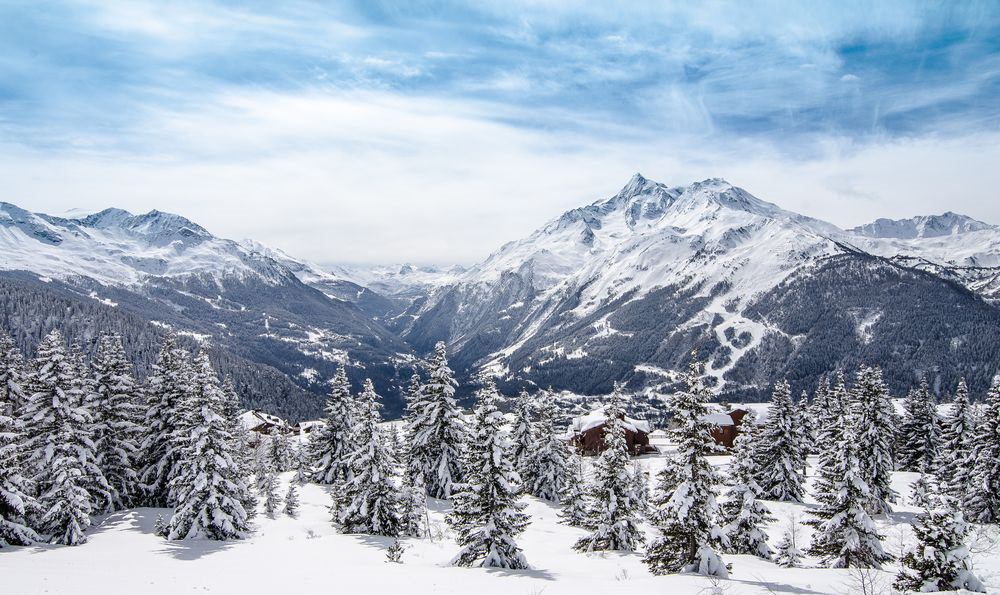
(306, 555)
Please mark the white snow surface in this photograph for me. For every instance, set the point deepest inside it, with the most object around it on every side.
(306, 555)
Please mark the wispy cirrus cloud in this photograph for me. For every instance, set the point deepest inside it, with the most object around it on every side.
(467, 107)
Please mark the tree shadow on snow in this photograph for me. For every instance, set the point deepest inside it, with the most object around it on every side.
(193, 549)
(776, 587)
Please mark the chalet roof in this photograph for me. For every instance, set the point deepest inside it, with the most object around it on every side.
(718, 419)
(254, 419)
(597, 418)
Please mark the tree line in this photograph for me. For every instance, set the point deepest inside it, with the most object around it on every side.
(79, 439)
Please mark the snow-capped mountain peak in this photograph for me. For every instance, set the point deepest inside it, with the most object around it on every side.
(923, 226)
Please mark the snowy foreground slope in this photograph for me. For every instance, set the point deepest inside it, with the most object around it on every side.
(306, 555)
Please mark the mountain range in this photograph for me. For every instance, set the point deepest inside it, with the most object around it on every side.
(622, 289)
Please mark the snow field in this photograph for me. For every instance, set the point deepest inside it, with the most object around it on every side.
(307, 555)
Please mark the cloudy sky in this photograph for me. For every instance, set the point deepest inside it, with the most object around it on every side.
(432, 132)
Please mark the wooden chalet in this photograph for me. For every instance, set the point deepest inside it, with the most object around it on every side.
(586, 434)
(726, 426)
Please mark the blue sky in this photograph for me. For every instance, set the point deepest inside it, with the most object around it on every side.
(382, 131)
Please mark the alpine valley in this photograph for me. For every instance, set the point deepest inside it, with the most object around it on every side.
(619, 290)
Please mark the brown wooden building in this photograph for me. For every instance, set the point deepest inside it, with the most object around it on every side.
(587, 434)
(727, 426)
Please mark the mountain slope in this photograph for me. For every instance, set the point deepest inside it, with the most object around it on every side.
(624, 288)
(172, 271)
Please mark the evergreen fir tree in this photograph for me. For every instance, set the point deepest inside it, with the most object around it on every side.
(684, 516)
(61, 452)
(332, 444)
(269, 491)
(612, 515)
(982, 502)
(231, 411)
(874, 430)
(573, 498)
(301, 458)
(548, 454)
(941, 559)
(281, 454)
(846, 536)
(487, 516)
(640, 488)
(829, 434)
(160, 528)
(437, 430)
(781, 452)
(13, 377)
(17, 501)
(117, 427)
(918, 433)
(413, 508)
(922, 492)
(742, 514)
(168, 385)
(211, 490)
(292, 501)
(788, 553)
(371, 498)
(394, 553)
(524, 437)
(955, 463)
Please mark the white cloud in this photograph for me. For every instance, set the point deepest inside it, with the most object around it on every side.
(378, 177)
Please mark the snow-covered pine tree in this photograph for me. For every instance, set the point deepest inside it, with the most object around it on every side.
(117, 425)
(874, 430)
(781, 450)
(167, 387)
(955, 462)
(13, 377)
(612, 512)
(918, 433)
(524, 436)
(211, 490)
(85, 385)
(413, 507)
(301, 462)
(573, 498)
(941, 560)
(268, 487)
(845, 535)
(742, 514)
(281, 454)
(292, 501)
(437, 430)
(231, 411)
(829, 433)
(548, 454)
(60, 450)
(17, 501)
(487, 516)
(922, 492)
(332, 443)
(684, 517)
(787, 551)
(806, 428)
(685, 503)
(640, 488)
(370, 497)
(982, 502)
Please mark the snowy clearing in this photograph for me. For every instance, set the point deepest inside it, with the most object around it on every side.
(307, 555)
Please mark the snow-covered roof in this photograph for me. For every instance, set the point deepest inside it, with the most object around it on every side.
(598, 418)
(718, 419)
(254, 419)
